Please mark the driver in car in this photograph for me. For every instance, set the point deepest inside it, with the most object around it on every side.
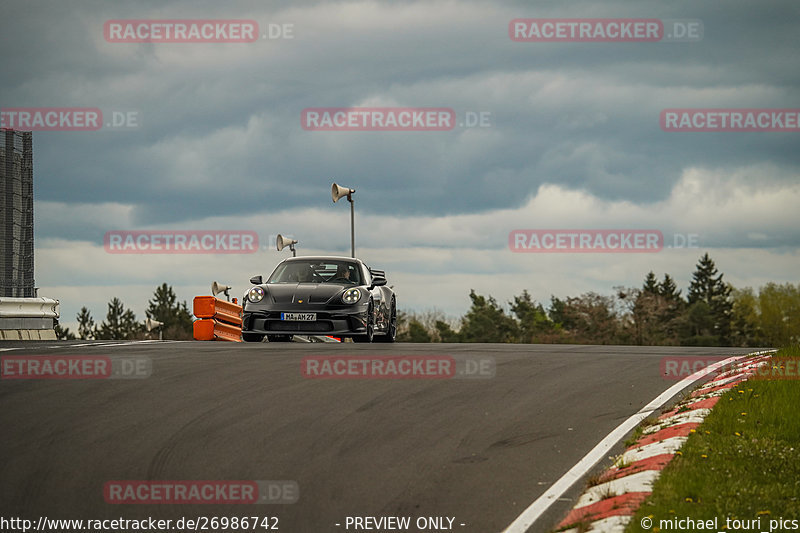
(306, 275)
(342, 273)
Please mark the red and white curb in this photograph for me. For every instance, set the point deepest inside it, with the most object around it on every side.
(608, 506)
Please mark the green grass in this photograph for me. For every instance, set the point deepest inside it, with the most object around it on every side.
(743, 462)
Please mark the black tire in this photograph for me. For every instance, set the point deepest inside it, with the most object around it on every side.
(370, 336)
(391, 334)
(252, 337)
(280, 338)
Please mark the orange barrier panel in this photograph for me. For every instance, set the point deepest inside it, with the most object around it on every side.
(211, 307)
(208, 329)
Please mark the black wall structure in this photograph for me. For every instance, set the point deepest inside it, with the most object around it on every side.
(16, 214)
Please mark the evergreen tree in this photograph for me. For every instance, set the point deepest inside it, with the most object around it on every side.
(417, 332)
(86, 327)
(698, 326)
(120, 323)
(705, 284)
(175, 316)
(707, 287)
(533, 321)
(673, 307)
(668, 289)
(651, 284)
(487, 322)
(556, 312)
(63, 334)
(446, 333)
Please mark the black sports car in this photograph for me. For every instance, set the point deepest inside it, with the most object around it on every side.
(337, 296)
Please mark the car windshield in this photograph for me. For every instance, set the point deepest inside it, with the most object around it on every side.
(342, 272)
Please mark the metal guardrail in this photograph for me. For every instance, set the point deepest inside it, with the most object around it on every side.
(28, 313)
(29, 308)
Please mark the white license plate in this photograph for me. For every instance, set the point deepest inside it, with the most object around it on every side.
(301, 317)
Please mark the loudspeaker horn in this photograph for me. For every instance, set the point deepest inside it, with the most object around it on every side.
(282, 242)
(151, 324)
(338, 192)
(216, 288)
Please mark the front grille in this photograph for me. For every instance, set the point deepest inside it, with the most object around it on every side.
(288, 325)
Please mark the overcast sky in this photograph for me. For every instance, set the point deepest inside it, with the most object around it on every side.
(571, 140)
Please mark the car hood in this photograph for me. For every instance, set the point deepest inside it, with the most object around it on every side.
(312, 293)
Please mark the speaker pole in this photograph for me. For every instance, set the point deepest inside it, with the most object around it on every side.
(352, 227)
(337, 192)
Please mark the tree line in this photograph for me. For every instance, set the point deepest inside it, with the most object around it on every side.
(121, 323)
(713, 313)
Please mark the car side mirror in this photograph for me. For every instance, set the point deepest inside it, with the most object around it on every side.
(378, 282)
(256, 280)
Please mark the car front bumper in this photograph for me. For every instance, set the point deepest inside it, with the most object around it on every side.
(337, 322)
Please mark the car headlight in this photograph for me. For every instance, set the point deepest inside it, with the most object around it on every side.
(256, 294)
(351, 296)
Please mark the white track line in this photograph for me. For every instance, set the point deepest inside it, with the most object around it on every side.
(92, 345)
(115, 343)
(525, 520)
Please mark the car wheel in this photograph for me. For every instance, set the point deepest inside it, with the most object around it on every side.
(280, 338)
(370, 327)
(391, 333)
(252, 337)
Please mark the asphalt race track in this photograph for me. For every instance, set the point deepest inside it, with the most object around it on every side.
(479, 450)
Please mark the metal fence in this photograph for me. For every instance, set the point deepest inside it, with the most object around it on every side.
(16, 214)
